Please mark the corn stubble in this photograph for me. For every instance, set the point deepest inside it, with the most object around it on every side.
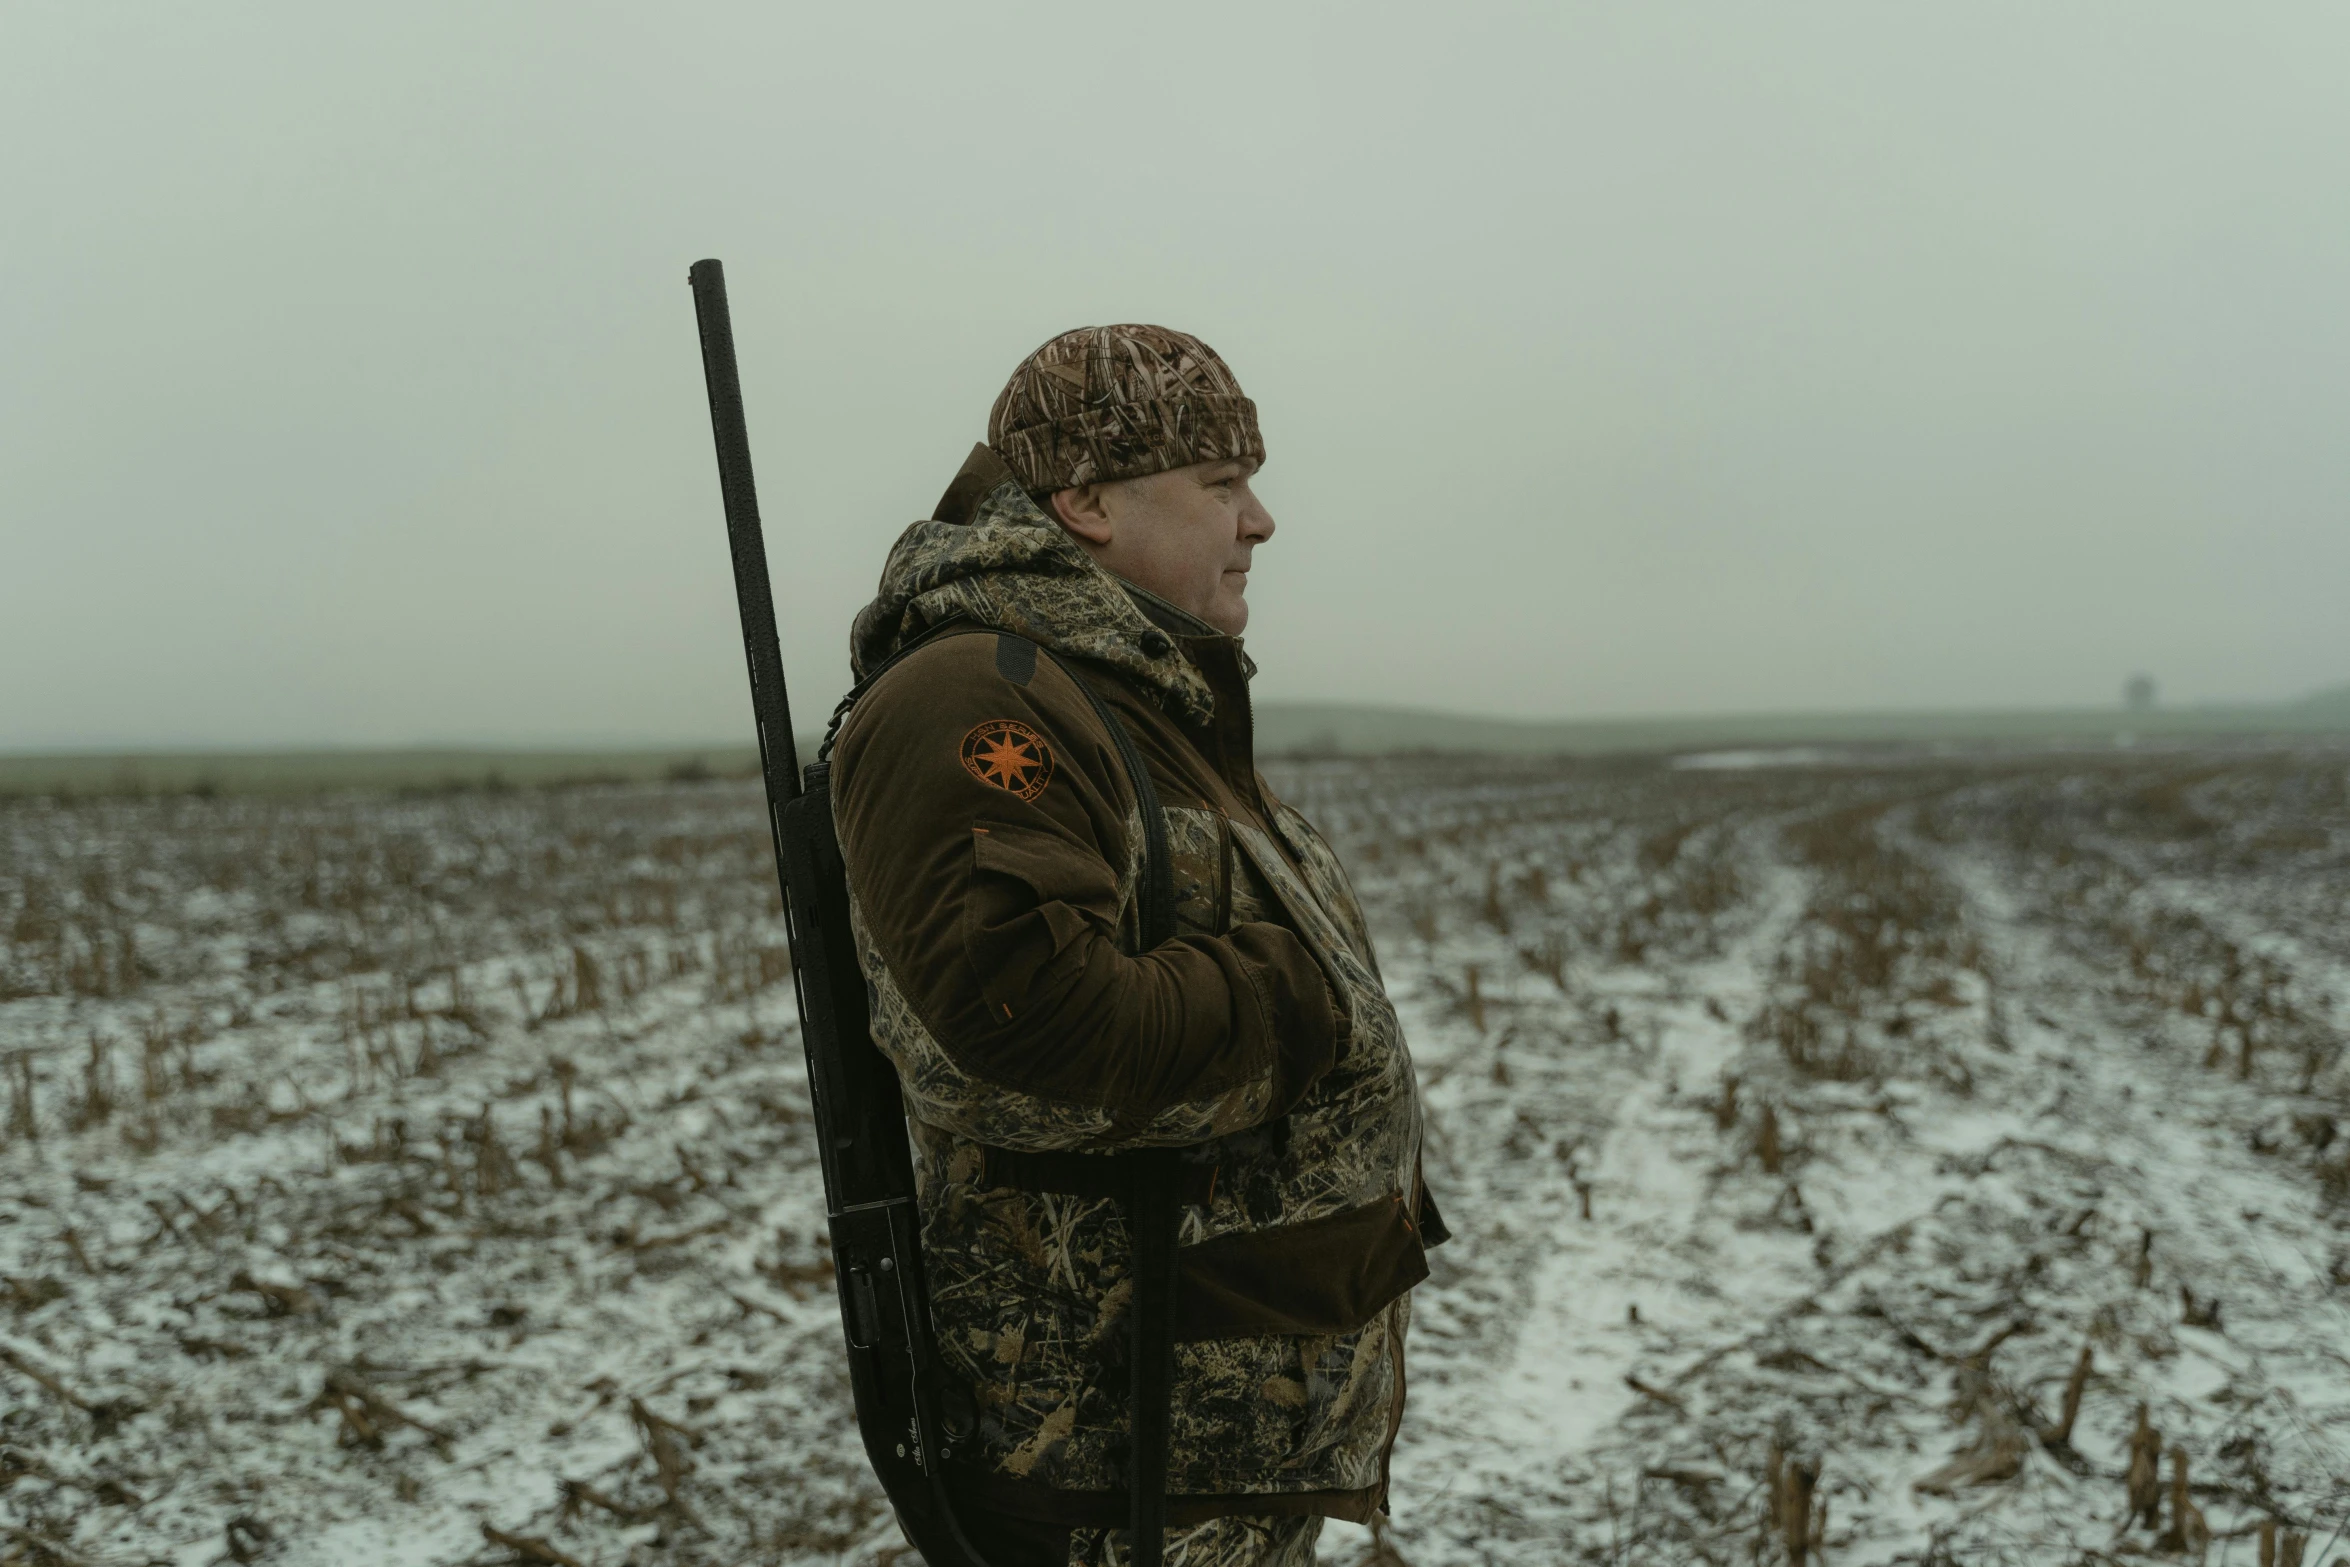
(368, 1144)
(1867, 1162)
(1917, 1030)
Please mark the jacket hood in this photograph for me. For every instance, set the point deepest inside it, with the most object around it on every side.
(991, 556)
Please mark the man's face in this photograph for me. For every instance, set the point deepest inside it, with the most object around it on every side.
(1185, 534)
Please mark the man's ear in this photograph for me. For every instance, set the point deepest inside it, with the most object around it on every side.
(1085, 511)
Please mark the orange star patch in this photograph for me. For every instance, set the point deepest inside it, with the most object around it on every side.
(1009, 755)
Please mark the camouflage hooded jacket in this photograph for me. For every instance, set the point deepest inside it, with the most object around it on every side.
(994, 851)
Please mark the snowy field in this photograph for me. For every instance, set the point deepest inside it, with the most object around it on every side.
(1841, 1155)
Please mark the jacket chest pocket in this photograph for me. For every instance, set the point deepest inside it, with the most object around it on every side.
(1362, 1128)
(1200, 857)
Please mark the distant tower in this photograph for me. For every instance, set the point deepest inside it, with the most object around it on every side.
(2138, 694)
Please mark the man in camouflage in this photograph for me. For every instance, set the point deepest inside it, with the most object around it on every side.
(994, 848)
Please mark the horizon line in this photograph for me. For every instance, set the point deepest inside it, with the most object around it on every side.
(610, 744)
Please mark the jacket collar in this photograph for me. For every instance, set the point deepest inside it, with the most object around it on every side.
(991, 556)
(1191, 632)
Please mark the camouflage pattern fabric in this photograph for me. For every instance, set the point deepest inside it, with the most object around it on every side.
(1220, 1542)
(1120, 402)
(1358, 1136)
(1030, 1289)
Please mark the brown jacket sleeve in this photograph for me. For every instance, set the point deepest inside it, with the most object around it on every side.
(989, 833)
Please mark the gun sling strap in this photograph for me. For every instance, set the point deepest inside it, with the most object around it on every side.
(1151, 1184)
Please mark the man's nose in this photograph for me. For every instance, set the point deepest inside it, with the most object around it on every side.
(1256, 523)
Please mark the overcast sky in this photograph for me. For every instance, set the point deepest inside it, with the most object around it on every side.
(1612, 359)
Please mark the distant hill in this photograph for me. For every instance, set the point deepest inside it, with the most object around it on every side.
(1283, 728)
(1341, 729)
(2334, 700)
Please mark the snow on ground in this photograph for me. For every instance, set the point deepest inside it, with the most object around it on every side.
(428, 1179)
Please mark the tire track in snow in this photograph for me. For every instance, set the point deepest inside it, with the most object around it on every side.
(1634, 1291)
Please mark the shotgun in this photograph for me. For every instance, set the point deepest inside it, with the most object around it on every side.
(894, 1371)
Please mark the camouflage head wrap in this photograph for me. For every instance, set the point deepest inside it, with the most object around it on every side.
(1119, 402)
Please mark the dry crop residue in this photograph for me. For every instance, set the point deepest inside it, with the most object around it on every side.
(1912, 1161)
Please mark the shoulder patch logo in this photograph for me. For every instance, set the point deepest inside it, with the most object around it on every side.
(1011, 756)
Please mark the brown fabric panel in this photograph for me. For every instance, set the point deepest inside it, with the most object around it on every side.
(981, 472)
(1326, 1276)
(1021, 877)
(1183, 757)
(1007, 953)
(1026, 1500)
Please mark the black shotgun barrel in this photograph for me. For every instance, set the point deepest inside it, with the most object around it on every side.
(894, 1372)
(770, 704)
